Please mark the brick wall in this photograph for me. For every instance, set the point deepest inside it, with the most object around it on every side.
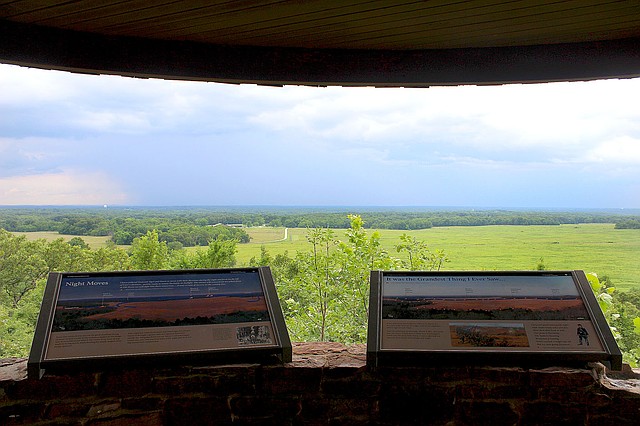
(326, 384)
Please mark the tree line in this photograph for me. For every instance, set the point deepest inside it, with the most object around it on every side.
(177, 228)
(628, 224)
(196, 226)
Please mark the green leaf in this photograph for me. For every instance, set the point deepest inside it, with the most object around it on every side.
(594, 282)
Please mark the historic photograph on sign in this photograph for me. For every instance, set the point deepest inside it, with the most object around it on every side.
(488, 335)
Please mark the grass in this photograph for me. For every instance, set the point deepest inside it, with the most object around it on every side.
(590, 247)
(264, 234)
(93, 242)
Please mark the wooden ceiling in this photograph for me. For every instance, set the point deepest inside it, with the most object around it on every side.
(347, 42)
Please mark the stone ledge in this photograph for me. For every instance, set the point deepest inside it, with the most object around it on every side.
(13, 369)
(326, 383)
(331, 355)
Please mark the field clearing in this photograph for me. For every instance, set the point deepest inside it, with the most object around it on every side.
(595, 248)
(264, 234)
(93, 242)
(296, 241)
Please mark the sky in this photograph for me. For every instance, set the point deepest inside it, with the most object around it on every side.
(73, 139)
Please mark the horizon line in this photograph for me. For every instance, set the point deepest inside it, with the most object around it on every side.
(319, 206)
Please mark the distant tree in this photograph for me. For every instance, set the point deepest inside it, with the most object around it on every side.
(63, 257)
(265, 258)
(109, 258)
(175, 246)
(628, 224)
(78, 242)
(219, 254)
(147, 252)
(181, 259)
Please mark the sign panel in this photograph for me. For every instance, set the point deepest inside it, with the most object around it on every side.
(495, 317)
(196, 315)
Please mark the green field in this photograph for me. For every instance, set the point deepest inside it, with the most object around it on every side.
(590, 247)
(93, 242)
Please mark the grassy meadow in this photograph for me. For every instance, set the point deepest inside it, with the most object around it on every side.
(93, 242)
(591, 247)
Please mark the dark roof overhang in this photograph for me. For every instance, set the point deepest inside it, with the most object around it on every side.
(253, 41)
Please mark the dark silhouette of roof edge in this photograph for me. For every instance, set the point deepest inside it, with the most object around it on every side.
(57, 49)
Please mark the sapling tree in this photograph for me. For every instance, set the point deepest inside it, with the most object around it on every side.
(327, 297)
(420, 257)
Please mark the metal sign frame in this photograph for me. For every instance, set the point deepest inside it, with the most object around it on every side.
(523, 318)
(102, 320)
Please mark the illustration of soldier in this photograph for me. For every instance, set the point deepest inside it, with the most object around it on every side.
(583, 335)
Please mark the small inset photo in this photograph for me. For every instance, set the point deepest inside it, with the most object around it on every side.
(488, 335)
(254, 335)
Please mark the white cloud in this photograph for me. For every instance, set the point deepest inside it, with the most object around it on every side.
(113, 121)
(69, 102)
(556, 115)
(624, 150)
(65, 188)
(22, 87)
(171, 139)
(20, 156)
(566, 116)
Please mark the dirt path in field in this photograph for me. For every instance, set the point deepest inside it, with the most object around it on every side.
(286, 235)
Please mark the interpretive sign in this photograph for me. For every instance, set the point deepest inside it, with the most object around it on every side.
(522, 318)
(120, 318)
